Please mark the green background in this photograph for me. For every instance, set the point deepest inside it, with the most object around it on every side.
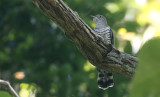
(52, 64)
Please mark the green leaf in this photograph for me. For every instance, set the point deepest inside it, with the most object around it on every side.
(4, 94)
(147, 79)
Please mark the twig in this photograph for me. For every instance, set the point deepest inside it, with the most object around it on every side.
(3, 82)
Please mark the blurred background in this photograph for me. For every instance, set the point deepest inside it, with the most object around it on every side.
(40, 61)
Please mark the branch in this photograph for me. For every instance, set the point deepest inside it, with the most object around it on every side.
(89, 43)
(9, 86)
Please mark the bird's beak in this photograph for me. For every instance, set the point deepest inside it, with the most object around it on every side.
(92, 16)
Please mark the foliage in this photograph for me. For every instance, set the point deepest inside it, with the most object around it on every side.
(52, 64)
(146, 81)
(4, 94)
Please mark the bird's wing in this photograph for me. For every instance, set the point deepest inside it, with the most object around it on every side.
(112, 37)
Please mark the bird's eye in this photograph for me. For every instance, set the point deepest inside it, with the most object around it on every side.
(100, 16)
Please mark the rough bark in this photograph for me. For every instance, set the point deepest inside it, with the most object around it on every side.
(90, 44)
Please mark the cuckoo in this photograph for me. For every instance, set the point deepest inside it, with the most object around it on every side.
(105, 79)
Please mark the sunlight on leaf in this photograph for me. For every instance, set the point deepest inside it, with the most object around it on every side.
(157, 34)
(112, 7)
(141, 2)
(27, 90)
(149, 33)
(88, 66)
(92, 24)
(136, 44)
(122, 31)
(154, 16)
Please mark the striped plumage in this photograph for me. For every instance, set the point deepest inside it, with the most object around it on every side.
(105, 79)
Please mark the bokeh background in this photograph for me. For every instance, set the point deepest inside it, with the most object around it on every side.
(40, 61)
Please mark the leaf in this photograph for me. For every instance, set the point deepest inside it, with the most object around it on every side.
(4, 94)
(147, 79)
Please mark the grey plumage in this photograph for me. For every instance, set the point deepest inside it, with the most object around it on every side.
(105, 79)
(102, 29)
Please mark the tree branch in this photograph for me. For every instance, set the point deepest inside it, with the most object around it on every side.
(9, 86)
(90, 44)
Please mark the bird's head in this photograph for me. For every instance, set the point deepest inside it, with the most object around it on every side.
(99, 20)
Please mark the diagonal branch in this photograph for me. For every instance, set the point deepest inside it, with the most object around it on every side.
(3, 82)
(90, 44)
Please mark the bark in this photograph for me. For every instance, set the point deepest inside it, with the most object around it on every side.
(89, 43)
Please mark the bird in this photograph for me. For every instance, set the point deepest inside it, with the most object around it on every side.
(105, 78)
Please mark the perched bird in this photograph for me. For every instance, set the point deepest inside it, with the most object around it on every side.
(105, 79)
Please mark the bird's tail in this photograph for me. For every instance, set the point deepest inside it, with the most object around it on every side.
(105, 79)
